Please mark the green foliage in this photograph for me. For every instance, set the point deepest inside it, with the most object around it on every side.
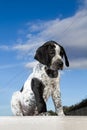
(52, 113)
(77, 106)
(68, 110)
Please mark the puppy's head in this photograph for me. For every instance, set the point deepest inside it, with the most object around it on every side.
(51, 54)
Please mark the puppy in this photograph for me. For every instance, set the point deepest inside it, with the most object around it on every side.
(42, 83)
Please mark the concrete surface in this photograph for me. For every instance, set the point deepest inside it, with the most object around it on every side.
(44, 123)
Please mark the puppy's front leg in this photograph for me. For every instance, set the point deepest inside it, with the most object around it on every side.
(56, 96)
(37, 88)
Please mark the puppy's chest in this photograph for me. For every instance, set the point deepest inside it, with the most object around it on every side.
(41, 74)
(49, 83)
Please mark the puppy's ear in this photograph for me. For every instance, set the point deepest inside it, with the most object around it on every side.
(41, 55)
(65, 56)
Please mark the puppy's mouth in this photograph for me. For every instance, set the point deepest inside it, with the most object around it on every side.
(57, 66)
(60, 68)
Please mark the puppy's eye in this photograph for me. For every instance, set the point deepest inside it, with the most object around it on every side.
(52, 52)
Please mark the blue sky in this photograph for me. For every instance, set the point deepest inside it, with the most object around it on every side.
(27, 24)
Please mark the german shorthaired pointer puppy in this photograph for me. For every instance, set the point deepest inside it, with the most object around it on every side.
(42, 83)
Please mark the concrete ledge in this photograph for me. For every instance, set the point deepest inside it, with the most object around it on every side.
(44, 123)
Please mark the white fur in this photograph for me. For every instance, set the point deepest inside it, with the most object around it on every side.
(57, 56)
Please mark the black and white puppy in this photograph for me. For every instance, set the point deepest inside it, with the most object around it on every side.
(42, 83)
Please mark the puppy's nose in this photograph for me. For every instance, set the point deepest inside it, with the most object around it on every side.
(60, 63)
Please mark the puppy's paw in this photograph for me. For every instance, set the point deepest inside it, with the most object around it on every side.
(45, 114)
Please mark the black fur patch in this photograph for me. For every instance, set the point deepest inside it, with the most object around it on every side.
(38, 87)
(63, 53)
(45, 53)
(51, 73)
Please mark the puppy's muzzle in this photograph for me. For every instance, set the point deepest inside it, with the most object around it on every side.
(58, 64)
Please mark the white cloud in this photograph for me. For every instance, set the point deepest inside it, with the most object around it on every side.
(23, 47)
(30, 65)
(76, 34)
(70, 32)
(4, 47)
(7, 66)
(79, 63)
